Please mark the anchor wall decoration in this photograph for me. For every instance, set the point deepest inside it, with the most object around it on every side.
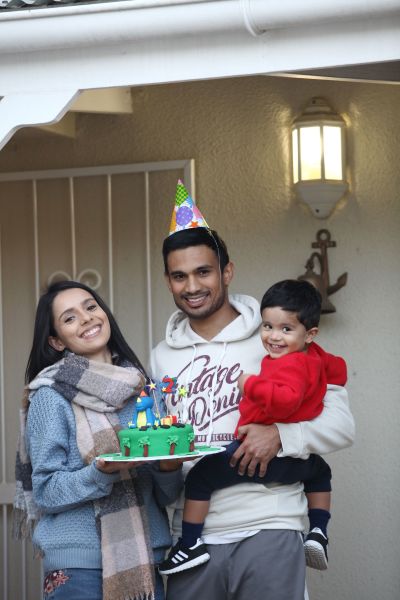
(321, 280)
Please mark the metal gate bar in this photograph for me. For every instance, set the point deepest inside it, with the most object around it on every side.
(7, 488)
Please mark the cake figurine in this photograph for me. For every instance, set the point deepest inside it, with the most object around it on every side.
(169, 385)
(143, 415)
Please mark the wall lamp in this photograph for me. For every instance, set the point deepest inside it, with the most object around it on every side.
(318, 145)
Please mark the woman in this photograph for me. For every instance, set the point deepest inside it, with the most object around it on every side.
(93, 532)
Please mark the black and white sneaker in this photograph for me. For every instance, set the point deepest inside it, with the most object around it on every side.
(316, 549)
(181, 558)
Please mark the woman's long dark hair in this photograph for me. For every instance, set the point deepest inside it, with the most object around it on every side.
(43, 355)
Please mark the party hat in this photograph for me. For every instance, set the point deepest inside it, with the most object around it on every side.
(185, 215)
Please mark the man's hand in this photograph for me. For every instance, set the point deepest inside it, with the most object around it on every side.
(260, 444)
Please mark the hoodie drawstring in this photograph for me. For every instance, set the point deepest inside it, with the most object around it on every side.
(185, 412)
(214, 385)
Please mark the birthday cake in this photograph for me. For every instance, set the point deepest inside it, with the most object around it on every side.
(158, 440)
(150, 435)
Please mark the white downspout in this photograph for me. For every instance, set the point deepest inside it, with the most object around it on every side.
(74, 26)
(269, 15)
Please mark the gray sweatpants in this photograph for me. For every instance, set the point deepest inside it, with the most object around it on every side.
(269, 565)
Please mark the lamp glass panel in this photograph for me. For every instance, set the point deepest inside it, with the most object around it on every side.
(333, 152)
(295, 155)
(310, 153)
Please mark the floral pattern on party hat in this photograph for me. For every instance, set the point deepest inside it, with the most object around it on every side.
(185, 215)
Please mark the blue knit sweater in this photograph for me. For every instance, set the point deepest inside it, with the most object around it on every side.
(63, 487)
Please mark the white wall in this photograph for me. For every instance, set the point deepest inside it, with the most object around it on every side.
(237, 130)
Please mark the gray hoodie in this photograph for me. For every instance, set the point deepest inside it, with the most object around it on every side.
(209, 370)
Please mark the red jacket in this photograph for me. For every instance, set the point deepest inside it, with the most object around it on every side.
(291, 388)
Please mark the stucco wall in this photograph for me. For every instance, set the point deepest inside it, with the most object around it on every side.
(238, 132)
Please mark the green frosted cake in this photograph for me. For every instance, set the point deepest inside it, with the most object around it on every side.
(157, 440)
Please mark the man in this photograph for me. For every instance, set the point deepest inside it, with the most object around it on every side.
(252, 531)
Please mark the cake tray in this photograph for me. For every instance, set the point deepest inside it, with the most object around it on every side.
(197, 453)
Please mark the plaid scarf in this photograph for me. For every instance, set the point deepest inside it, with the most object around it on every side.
(96, 391)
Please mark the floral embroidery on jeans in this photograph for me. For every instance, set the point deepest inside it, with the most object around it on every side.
(53, 580)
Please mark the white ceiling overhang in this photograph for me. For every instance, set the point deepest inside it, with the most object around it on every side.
(49, 55)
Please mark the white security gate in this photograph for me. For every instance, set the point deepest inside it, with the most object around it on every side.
(103, 226)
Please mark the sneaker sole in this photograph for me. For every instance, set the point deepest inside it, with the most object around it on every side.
(315, 556)
(199, 560)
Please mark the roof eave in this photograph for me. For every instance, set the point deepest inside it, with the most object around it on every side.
(68, 49)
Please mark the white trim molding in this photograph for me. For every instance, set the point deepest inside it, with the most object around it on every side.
(70, 48)
(32, 108)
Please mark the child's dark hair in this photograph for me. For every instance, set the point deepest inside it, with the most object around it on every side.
(43, 355)
(199, 236)
(295, 296)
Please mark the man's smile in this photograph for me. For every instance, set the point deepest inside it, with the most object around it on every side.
(196, 300)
